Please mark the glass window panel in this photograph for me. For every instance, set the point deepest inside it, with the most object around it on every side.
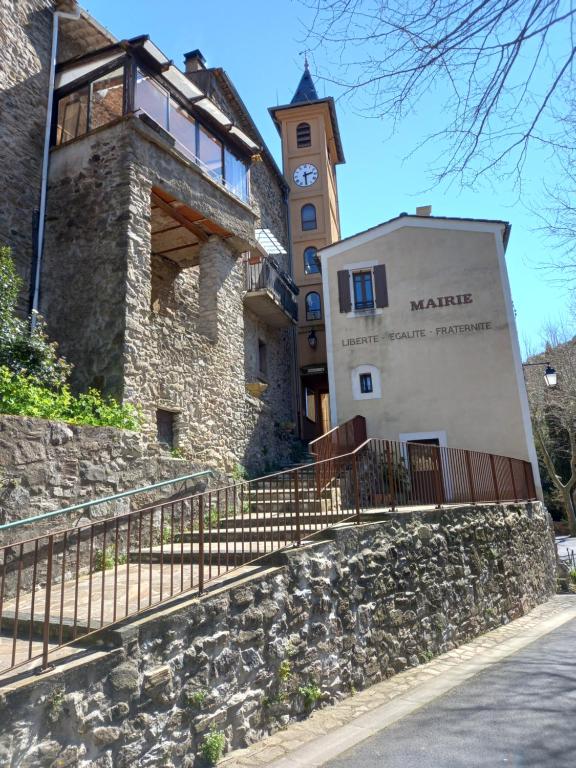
(183, 128)
(308, 216)
(107, 99)
(310, 403)
(311, 261)
(72, 116)
(236, 175)
(313, 306)
(210, 153)
(152, 99)
(366, 383)
(363, 290)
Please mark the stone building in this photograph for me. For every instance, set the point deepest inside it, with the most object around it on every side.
(164, 256)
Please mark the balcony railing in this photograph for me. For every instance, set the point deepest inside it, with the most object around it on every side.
(270, 291)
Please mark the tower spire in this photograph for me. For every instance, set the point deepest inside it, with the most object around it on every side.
(306, 90)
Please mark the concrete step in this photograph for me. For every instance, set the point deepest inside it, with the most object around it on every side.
(248, 532)
(280, 519)
(228, 556)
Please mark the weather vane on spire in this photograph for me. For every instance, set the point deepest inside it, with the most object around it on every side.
(305, 54)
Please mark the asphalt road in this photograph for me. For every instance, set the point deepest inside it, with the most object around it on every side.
(519, 713)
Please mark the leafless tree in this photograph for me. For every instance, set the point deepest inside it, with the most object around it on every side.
(553, 411)
(505, 65)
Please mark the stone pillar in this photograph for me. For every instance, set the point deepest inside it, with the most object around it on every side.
(218, 280)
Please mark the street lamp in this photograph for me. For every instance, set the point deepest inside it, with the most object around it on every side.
(312, 339)
(550, 376)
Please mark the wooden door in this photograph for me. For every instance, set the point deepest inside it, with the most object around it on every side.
(425, 462)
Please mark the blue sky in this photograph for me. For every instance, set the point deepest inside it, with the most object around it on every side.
(258, 43)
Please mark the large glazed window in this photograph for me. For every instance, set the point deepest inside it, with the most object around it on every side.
(308, 217)
(183, 128)
(210, 153)
(152, 99)
(103, 100)
(236, 175)
(107, 98)
(73, 115)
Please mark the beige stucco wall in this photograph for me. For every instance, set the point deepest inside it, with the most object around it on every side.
(462, 383)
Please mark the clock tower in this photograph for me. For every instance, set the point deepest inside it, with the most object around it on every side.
(311, 149)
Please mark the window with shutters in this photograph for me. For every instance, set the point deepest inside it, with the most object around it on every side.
(363, 288)
(303, 135)
(313, 306)
(311, 261)
(308, 217)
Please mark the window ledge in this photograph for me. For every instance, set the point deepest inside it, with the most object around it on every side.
(364, 313)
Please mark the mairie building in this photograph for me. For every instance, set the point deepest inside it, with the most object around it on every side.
(421, 335)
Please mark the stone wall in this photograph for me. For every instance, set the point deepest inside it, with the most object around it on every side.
(338, 615)
(47, 465)
(25, 40)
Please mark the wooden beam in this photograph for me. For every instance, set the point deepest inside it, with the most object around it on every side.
(177, 216)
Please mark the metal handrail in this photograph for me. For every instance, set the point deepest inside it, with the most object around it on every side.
(75, 582)
(103, 500)
(266, 274)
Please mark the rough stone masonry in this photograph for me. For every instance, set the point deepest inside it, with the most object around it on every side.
(337, 615)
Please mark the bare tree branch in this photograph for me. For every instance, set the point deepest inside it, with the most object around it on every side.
(505, 65)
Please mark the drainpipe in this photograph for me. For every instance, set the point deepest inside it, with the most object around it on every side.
(56, 16)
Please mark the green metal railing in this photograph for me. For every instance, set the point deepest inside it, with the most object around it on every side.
(103, 500)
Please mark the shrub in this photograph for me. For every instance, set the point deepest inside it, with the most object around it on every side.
(104, 559)
(573, 575)
(197, 698)
(213, 746)
(239, 472)
(285, 671)
(24, 346)
(21, 395)
(311, 694)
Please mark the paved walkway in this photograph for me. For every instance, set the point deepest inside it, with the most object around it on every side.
(540, 685)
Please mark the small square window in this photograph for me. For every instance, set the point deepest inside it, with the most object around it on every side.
(165, 427)
(366, 383)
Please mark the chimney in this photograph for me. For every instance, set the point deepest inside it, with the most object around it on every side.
(193, 61)
(424, 210)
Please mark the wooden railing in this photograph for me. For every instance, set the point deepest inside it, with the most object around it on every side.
(69, 584)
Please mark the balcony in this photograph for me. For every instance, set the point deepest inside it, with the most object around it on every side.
(134, 77)
(269, 291)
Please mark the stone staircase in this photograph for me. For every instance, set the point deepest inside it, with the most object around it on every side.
(271, 514)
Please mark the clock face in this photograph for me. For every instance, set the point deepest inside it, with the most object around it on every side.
(305, 175)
